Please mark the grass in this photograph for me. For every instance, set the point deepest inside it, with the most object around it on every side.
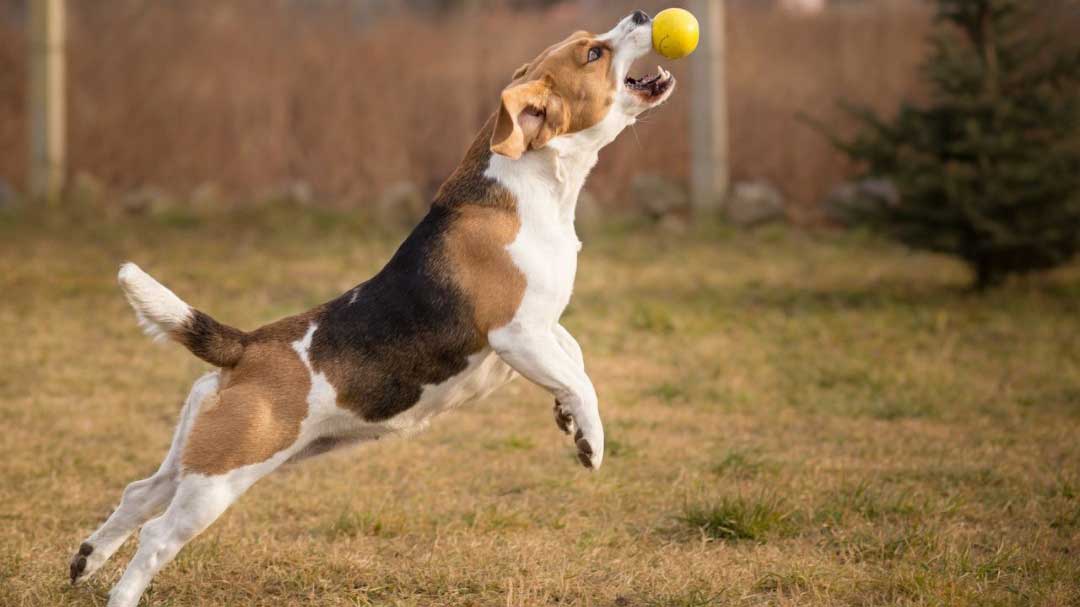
(740, 518)
(740, 463)
(795, 419)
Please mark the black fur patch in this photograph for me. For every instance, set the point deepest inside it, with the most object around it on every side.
(405, 328)
(408, 326)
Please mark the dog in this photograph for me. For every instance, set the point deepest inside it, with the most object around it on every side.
(471, 299)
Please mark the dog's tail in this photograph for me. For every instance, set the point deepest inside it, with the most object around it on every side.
(161, 313)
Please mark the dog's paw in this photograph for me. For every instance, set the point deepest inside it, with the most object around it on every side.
(563, 419)
(590, 450)
(588, 435)
(78, 568)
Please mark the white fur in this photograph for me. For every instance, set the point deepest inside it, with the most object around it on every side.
(158, 309)
(144, 499)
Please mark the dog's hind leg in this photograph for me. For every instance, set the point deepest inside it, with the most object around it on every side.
(144, 499)
(199, 501)
(243, 432)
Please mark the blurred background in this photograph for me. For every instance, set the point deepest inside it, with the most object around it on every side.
(795, 414)
(347, 101)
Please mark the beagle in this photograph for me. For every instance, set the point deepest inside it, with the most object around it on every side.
(471, 299)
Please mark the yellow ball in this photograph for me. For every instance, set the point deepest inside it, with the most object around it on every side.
(675, 33)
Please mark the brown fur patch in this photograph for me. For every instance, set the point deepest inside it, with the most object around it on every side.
(559, 92)
(258, 410)
(467, 184)
(217, 344)
(481, 266)
(586, 88)
(485, 222)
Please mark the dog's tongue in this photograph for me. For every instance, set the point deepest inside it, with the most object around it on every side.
(649, 82)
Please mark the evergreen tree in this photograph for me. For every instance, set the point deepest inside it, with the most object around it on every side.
(989, 169)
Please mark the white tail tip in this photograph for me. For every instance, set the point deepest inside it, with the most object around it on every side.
(158, 309)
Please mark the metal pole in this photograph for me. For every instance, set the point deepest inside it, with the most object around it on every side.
(46, 103)
(709, 171)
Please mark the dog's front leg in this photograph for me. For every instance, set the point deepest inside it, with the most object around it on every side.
(563, 419)
(538, 354)
(570, 345)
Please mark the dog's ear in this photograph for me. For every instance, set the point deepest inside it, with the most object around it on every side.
(519, 72)
(530, 115)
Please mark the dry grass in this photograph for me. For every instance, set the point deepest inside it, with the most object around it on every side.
(250, 94)
(876, 435)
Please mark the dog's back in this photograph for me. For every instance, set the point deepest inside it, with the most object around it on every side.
(415, 324)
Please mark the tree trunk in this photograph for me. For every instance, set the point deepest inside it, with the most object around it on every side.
(986, 275)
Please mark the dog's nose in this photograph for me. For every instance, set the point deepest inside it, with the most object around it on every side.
(640, 17)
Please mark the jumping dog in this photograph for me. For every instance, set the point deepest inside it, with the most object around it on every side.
(471, 299)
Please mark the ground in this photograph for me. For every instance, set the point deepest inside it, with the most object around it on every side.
(793, 418)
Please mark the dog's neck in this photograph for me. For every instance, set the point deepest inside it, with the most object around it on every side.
(544, 178)
(547, 181)
(557, 172)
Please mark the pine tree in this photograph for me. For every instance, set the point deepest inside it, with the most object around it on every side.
(989, 169)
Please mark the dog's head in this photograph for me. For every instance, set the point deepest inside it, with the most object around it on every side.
(580, 85)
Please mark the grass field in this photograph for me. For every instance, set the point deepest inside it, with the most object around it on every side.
(792, 419)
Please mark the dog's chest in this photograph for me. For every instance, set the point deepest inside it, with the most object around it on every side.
(545, 187)
(545, 251)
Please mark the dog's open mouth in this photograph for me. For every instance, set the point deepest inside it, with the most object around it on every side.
(652, 86)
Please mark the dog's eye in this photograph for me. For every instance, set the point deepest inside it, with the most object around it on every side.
(595, 53)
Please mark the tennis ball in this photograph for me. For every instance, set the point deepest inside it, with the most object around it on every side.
(675, 33)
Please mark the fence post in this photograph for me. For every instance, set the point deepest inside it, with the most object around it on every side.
(46, 99)
(709, 170)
